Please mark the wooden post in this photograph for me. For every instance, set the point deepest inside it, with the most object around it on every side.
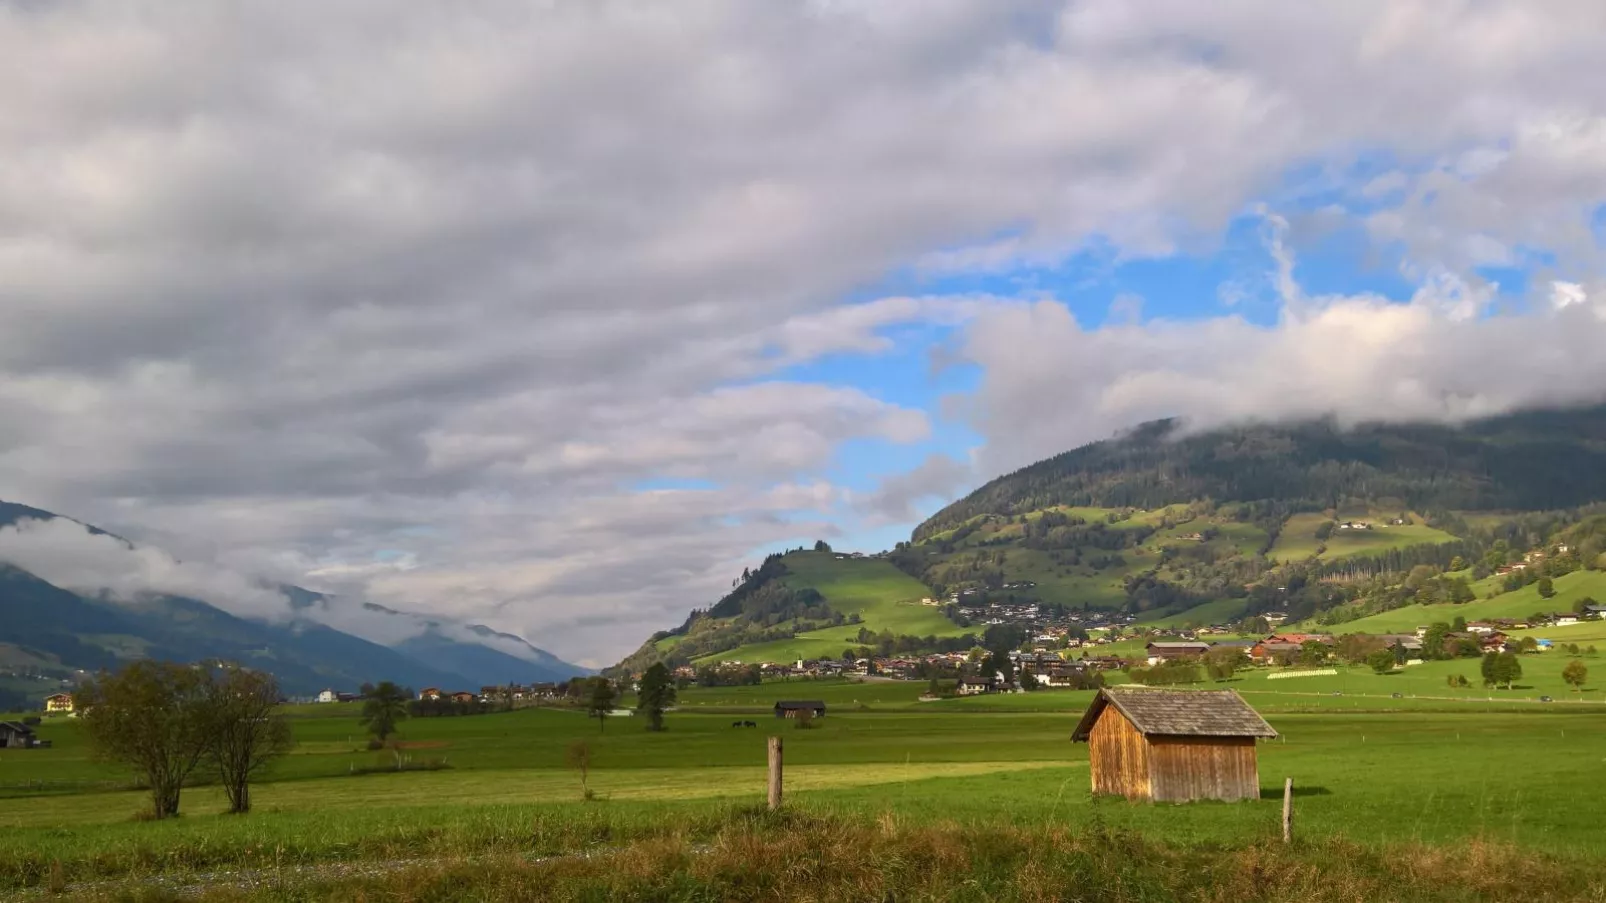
(775, 773)
(1288, 810)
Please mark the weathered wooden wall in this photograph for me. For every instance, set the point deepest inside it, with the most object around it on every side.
(1118, 757)
(1202, 768)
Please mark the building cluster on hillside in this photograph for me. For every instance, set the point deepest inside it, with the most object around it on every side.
(1032, 616)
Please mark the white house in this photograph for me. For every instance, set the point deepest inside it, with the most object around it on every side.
(328, 696)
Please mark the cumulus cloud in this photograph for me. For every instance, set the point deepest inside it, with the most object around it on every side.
(301, 293)
(1050, 384)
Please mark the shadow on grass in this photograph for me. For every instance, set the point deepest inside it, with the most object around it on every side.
(1276, 793)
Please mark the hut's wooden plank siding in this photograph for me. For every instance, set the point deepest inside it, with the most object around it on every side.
(1202, 768)
(1118, 757)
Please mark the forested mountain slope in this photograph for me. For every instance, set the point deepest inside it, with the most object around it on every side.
(1529, 461)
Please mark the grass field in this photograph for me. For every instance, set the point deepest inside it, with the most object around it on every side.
(1430, 767)
(1220, 611)
(1516, 604)
(1297, 540)
(883, 596)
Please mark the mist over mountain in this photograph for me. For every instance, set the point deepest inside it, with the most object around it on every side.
(1526, 461)
(76, 597)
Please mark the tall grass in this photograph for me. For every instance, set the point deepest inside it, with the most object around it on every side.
(801, 857)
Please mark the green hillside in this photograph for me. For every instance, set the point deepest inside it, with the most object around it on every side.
(1298, 538)
(1516, 604)
(882, 596)
(804, 604)
(1221, 611)
(1084, 557)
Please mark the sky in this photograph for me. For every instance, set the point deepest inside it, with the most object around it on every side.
(553, 316)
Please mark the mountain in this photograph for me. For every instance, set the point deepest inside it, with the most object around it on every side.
(1529, 461)
(489, 665)
(46, 628)
(1222, 524)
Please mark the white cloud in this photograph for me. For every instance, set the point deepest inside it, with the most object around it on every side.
(295, 292)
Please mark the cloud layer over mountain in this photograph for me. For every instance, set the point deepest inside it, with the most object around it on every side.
(499, 311)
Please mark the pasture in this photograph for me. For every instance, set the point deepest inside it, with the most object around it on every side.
(884, 597)
(1433, 766)
(1519, 603)
(1297, 540)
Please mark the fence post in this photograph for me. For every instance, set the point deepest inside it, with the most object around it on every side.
(775, 773)
(1288, 810)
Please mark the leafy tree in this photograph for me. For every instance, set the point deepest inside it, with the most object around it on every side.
(150, 716)
(821, 545)
(244, 732)
(1547, 588)
(1575, 674)
(1583, 604)
(1312, 652)
(1433, 644)
(1381, 661)
(599, 702)
(1028, 681)
(656, 694)
(1459, 625)
(1501, 668)
(383, 708)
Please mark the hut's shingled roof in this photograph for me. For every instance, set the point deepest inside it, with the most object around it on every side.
(1178, 713)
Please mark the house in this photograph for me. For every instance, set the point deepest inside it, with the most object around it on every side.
(329, 696)
(59, 702)
(16, 735)
(1159, 652)
(1565, 620)
(1410, 642)
(1300, 639)
(1594, 610)
(464, 696)
(430, 693)
(1268, 651)
(1172, 745)
(792, 708)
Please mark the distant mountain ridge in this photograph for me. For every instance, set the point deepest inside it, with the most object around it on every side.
(41, 623)
(1534, 460)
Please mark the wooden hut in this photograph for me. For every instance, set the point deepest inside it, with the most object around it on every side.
(795, 708)
(1172, 745)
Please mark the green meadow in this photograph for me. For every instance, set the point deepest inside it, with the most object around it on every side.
(1297, 540)
(1516, 604)
(1430, 765)
(884, 597)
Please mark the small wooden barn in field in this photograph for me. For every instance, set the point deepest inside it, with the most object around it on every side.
(1172, 745)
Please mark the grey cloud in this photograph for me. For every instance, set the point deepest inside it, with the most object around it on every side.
(938, 477)
(298, 290)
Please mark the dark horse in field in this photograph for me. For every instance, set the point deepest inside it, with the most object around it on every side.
(743, 724)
